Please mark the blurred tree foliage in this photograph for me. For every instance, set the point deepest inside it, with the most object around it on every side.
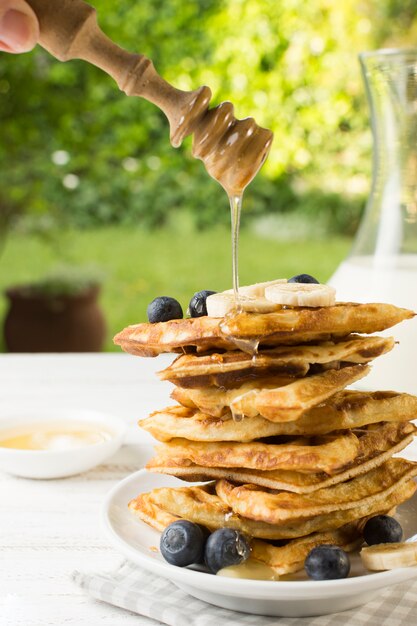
(73, 146)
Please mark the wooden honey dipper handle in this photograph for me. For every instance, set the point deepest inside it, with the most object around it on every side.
(69, 30)
(232, 150)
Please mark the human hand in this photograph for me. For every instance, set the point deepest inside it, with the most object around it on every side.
(19, 28)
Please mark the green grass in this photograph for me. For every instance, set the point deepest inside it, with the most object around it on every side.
(141, 265)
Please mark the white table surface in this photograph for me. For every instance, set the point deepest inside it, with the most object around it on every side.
(48, 528)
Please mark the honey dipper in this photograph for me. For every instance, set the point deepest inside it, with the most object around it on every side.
(232, 150)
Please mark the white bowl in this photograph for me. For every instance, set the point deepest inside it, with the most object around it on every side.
(58, 463)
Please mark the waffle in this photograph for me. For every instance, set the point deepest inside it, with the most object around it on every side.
(346, 409)
(202, 506)
(285, 326)
(327, 454)
(289, 480)
(216, 401)
(281, 507)
(279, 400)
(302, 454)
(289, 402)
(234, 367)
(291, 325)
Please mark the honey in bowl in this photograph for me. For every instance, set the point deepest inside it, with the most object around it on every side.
(53, 436)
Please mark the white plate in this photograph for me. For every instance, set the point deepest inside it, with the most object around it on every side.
(59, 463)
(295, 598)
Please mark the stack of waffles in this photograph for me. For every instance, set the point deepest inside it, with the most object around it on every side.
(265, 421)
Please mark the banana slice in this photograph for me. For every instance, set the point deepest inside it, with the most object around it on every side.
(301, 294)
(269, 296)
(389, 555)
(220, 304)
(257, 290)
(251, 299)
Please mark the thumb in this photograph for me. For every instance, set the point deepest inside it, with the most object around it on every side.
(19, 28)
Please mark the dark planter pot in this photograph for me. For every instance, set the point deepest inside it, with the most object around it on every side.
(37, 323)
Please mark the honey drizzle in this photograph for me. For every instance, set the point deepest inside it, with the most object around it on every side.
(237, 417)
(246, 345)
(235, 211)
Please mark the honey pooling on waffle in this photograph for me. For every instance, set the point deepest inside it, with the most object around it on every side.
(310, 461)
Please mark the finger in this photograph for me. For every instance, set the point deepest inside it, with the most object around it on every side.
(19, 28)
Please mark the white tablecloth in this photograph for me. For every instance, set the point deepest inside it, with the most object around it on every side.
(50, 528)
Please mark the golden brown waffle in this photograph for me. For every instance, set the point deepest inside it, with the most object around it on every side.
(290, 324)
(202, 506)
(346, 409)
(288, 403)
(286, 326)
(215, 401)
(282, 507)
(152, 339)
(234, 367)
(328, 454)
(372, 454)
(287, 398)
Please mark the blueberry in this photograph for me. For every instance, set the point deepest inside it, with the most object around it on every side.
(163, 309)
(182, 543)
(304, 278)
(225, 547)
(382, 529)
(327, 562)
(197, 306)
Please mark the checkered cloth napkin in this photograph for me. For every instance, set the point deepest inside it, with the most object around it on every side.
(159, 600)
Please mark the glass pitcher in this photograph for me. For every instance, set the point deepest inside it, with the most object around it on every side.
(382, 266)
